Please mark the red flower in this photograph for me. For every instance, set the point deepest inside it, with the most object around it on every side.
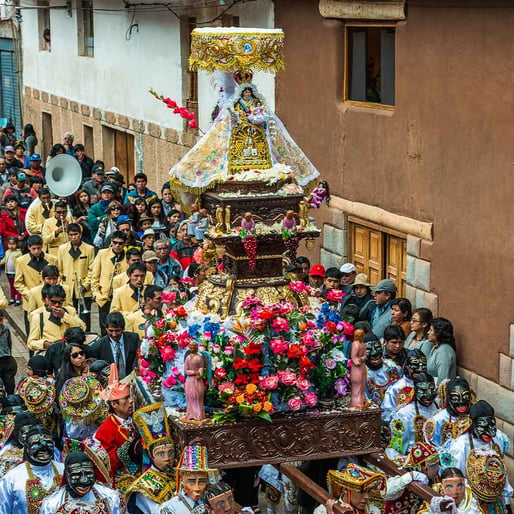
(193, 124)
(180, 311)
(252, 349)
(296, 351)
(220, 373)
(266, 314)
(254, 365)
(240, 363)
(241, 380)
(331, 326)
(305, 363)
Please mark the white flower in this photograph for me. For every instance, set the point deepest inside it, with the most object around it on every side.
(338, 355)
(145, 346)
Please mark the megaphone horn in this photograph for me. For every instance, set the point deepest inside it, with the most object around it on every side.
(63, 175)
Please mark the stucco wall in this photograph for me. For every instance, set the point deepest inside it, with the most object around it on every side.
(443, 155)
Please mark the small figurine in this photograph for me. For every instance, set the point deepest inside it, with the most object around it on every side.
(194, 387)
(288, 220)
(248, 222)
(358, 372)
(201, 225)
(219, 220)
(228, 225)
(321, 193)
(193, 219)
(303, 214)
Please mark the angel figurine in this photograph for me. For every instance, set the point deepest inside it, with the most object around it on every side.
(220, 222)
(288, 220)
(248, 222)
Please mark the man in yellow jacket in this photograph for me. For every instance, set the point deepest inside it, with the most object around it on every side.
(39, 212)
(28, 271)
(152, 306)
(50, 276)
(75, 261)
(128, 298)
(54, 231)
(49, 323)
(108, 263)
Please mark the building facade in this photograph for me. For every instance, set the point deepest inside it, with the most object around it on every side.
(93, 77)
(407, 114)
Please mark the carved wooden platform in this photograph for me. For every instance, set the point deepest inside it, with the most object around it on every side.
(290, 437)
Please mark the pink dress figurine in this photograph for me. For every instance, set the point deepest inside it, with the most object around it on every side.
(248, 223)
(358, 371)
(321, 192)
(194, 387)
(289, 221)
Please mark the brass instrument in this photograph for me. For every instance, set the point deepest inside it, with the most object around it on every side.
(139, 298)
(82, 300)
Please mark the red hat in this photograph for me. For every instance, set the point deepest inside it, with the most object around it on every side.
(115, 389)
(317, 271)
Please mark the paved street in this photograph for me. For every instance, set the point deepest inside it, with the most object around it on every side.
(17, 326)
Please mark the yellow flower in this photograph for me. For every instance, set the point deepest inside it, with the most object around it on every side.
(251, 388)
(240, 398)
(267, 406)
(257, 407)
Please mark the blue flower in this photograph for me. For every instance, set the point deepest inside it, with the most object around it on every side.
(193, 330)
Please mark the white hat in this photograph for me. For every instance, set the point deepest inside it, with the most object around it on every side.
(347, 268)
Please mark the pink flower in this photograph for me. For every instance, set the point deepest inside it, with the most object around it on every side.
(168, 353)
(288, 378)
(311, 400)
(144, 364)
(228, 350)
(181, 379)
(302, 383)
(298, 286)
(348, 328)
(169, 382)
(175, 370)
(160, 323)
(151, 375)
(280, 324)
(279, 345)
(226, 388)
(193, 124)
(168, 297)
(269, 382)
(335, 295)
(295, 403)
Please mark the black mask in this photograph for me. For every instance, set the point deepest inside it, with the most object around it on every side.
(424, 389)
(39, 447)
(484, 428)
(416, 363)
(80, 478)
(374, 354)
(459, 399)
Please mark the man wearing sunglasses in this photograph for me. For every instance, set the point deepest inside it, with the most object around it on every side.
(49, 323)
(108, 263)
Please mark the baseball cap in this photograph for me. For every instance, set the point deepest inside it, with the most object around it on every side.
(386, 285)
(113, 170)
(107, 187)
(21, 176)
(98, 169)
(123, 218)
(347, 268)
(317, 270)
(35, 157)
(9, 148)
(150, 256)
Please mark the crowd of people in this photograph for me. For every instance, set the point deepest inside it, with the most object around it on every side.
(121, 248)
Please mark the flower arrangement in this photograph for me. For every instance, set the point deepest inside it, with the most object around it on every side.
(270, 358)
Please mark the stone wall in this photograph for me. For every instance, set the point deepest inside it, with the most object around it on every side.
(157, 148)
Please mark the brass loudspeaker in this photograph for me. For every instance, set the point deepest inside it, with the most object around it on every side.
(63, 175)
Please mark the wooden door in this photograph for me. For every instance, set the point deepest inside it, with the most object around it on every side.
(367, 251)
(396, 265)
(47, 137)
(89, 142)
(124, 154)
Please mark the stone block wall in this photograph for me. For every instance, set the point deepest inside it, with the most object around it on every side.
(156, 148)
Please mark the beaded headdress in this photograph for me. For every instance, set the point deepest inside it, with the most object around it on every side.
(193, 458)
(420, 453)
(38, 395)
(485, 471)
(80, 399)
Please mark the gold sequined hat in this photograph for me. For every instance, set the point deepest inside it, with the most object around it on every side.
(485, 471)
(152, 423)
(355, 478)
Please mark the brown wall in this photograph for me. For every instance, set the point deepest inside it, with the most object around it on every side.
(443, 155)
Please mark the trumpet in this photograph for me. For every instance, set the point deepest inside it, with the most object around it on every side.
(82, 300)
(113, 274)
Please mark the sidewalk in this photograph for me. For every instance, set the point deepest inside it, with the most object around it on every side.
(17, 326)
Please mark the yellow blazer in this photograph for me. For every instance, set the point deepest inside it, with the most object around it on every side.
(50, 331)
(27, 276)
(133, 321)
(36, 299)
(103, 272)
(123, 301)
(82, 265)
(35, 219)
(51, 242)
